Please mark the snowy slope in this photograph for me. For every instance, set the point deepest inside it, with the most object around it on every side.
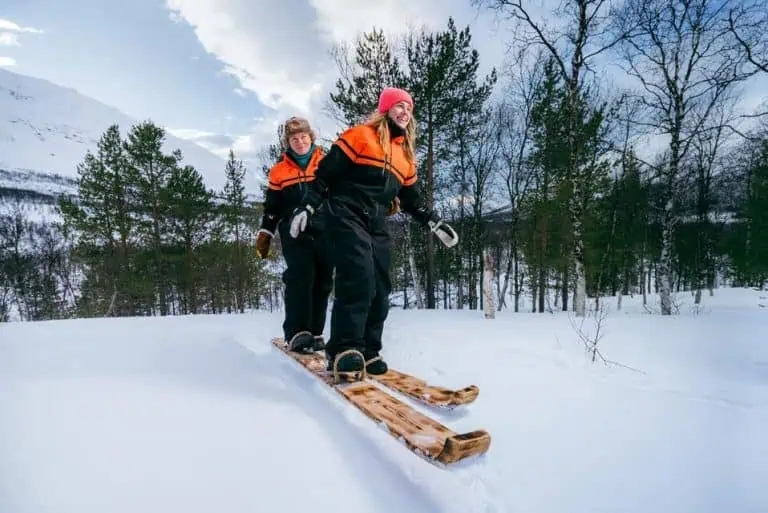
(200, 414)
(45, 129)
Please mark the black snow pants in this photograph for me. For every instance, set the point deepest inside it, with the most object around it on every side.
(361, 249)
(308, 280)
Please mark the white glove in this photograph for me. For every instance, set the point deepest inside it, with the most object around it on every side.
(299, 221)
(445, 233)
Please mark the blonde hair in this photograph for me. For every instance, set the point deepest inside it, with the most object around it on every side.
(378, 121)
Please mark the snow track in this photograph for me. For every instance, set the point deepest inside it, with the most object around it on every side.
(110, 421)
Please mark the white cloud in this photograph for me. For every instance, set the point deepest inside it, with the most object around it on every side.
(9, 39)
(13, 27)
(245, 146)
(280, 53)
(343, 20)
(9, 36)
(277, 61)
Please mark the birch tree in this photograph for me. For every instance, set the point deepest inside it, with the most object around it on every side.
(573, 48)
(482, 164)
(516, 120)
(748, 22)
(685, 62)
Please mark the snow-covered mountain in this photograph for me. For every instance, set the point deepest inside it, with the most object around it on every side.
(45, 130)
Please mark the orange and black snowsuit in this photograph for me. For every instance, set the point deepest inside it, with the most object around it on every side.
(360, 183)
(308, 277)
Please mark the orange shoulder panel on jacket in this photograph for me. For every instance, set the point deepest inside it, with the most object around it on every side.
(285, 172)
(361, 144)
(360, 141)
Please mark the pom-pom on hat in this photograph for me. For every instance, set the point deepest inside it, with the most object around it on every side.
(392, 95)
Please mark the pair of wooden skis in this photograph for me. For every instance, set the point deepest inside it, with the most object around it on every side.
(422, 434)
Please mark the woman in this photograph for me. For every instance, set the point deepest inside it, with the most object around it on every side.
(308, 277)
(366, 171)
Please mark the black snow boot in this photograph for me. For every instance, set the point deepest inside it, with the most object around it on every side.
(375, 364)
(319, 343)
(301, 342)
(349, 362)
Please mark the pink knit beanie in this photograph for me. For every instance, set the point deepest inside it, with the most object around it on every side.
(390, 96)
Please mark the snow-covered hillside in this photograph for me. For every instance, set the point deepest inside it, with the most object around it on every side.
(201, 414)
(45, 130)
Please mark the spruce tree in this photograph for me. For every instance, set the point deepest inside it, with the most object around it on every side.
(442, 75)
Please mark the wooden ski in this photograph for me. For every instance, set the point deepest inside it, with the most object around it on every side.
(423, 392)
(423, 435)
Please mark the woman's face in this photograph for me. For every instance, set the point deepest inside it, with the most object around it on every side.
(300, 143)
(401, 114)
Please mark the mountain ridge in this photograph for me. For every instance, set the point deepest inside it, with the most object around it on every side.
(46, 130)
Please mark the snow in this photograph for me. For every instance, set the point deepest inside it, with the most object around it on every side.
(45, 129)
(200, 413)
(37, 212)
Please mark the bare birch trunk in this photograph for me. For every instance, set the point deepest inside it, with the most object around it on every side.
(111, 309)
(414, 271)
(490, 310)
(507, 275)
(665, 264)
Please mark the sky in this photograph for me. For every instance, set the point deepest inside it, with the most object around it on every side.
(224, 73)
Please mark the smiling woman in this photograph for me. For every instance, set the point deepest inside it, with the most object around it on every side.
(308, 276)
(365, 170)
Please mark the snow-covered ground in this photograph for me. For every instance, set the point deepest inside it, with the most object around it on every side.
(201, 414)
(31, 211)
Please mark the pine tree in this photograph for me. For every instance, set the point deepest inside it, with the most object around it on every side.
(375, 67)
(152, 168)
(468, 134)
(549, 157)
(104, 218)
(756, 214)
(442, 73)
(234, 215)
(190, 212)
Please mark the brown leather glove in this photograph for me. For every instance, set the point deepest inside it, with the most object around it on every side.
(263, 240)
(394, 208)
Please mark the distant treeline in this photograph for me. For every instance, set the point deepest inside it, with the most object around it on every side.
(548, 181)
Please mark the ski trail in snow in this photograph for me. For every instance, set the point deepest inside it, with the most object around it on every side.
(380, 476)
(392, 470)
(190, 406)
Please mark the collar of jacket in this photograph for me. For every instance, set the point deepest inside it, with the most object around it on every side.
(288, 155)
